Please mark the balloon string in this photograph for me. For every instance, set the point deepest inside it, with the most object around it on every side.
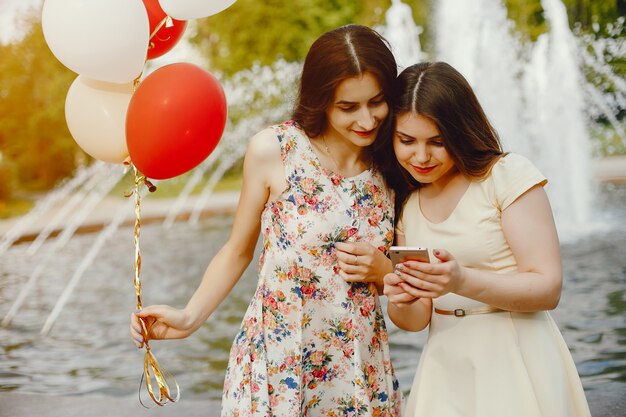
(159, 26)
(167, 21)
(151, 367)
(137, 283)
(137, 80)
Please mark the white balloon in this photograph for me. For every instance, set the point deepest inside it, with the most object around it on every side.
(104, 40)
(193, 9)
(95, 112)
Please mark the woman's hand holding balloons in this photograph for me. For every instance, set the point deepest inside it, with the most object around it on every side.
(431, 280)
(161, 322)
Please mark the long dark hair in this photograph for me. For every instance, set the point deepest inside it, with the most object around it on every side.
(438, 91)
(342, 53)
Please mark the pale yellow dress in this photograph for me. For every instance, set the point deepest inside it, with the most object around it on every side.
(497, 364)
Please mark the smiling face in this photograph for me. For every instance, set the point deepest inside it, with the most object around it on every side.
(420, 149)
(357, 111)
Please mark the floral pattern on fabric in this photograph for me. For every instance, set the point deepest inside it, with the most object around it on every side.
(311, 344)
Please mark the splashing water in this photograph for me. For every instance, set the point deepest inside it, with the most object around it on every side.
(403, 34)
(533, 94)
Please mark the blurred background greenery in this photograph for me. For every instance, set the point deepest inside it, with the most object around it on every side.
(37, 151)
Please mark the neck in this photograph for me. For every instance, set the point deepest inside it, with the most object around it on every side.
(450, 178)
(341, 156)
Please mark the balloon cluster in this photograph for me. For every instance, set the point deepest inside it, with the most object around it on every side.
(167, 123)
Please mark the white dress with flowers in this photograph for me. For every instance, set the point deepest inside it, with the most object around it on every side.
(311, 344)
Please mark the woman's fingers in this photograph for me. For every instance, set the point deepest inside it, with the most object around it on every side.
(351, 276)
(401, 298)
(142, 322)
(136, 330)
(416, 267)
(417, 282)
(347, 247)
(416, 292)
(355, 253)
(392, 279)
(357, 261)
(420, 283)
(443, 255)
(394, 292)
(352, 273)
(348, 259)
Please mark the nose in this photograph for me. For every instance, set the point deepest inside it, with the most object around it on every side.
(366, 120)
(421, 155)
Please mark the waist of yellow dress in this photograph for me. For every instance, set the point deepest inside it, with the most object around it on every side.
(461, 312)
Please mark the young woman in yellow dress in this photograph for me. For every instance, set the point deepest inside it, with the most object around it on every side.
(493, 349)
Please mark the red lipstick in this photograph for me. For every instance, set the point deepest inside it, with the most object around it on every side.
(364, 134)
(423, 170)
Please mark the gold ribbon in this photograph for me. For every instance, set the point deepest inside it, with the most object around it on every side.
(151, 368)
(167, 22)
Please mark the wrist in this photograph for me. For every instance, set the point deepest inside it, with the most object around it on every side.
(461, 283)
(189, 319)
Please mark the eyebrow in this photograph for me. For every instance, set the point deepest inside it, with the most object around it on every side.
(354, 102)
(411, 137)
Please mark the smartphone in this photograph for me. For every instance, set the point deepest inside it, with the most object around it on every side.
(399, 254)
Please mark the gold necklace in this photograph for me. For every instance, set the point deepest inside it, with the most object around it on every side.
(330, 155)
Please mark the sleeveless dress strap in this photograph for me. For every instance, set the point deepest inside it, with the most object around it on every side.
(293, 149)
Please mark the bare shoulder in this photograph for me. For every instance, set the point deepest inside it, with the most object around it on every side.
(264, 147)
(263, 165)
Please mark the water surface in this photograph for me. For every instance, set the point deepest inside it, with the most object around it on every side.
(89, 351)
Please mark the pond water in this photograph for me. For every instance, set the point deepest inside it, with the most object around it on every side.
(89, 351)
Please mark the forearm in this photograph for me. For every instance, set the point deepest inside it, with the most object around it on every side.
(221, 275)
(523, 291)
(413, 316)
(383, 267)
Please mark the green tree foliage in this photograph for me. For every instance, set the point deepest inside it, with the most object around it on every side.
(528, 14)
(262, 31)
(35, 145)
(36, 149)
(253, 31)
(588, 12)
(528, 17)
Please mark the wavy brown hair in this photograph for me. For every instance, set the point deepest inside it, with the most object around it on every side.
(439, 92)
(345, 52)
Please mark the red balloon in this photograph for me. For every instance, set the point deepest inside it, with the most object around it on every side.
(166, 37)
(175, 119)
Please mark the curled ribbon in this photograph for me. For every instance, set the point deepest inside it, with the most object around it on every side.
(167, 22)
(151, 368)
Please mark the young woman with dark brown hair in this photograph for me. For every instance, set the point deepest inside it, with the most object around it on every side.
(313, 341)
(493, 350)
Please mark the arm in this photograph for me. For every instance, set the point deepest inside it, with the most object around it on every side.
(529, 228)
(262, 174)
(405, 310)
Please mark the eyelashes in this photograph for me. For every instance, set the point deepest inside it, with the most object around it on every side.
(351, 109)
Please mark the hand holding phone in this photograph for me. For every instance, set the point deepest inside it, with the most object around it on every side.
(399, 254)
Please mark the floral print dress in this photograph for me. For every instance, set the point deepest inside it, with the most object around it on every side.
(311, 344)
